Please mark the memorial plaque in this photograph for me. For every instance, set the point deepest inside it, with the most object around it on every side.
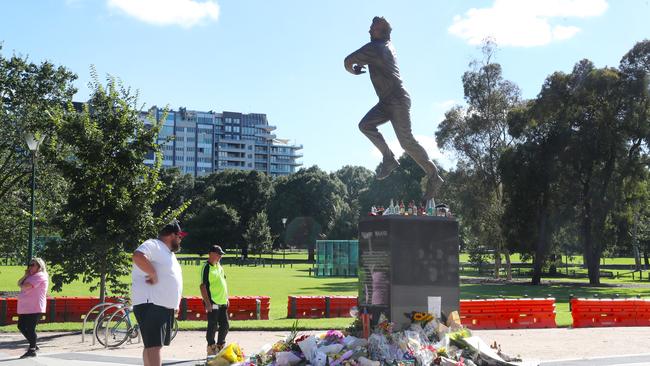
(404, 260)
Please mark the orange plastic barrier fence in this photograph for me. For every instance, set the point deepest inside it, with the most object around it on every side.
(320, 306)
(239, 308)
(74, 309)
(610, 312)
(508, 313)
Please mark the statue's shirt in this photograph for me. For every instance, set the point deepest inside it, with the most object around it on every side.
(382, 64)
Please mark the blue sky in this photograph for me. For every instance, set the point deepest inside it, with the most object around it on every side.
(285, 57)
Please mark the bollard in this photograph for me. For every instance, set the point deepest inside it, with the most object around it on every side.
(258, 308)
(327, 306)
(52, 310)
(365, 322)
(3, 310)
(182, 311)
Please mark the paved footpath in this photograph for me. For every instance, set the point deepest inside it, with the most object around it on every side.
(546, 347)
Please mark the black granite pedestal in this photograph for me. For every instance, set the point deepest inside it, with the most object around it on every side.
(404, 260)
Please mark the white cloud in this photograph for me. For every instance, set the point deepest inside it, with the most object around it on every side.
(524, 23)
(428, 143)
(185, 13)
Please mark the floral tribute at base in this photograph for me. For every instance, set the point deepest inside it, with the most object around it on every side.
(426, 341)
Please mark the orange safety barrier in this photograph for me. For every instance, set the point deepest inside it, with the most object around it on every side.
(239, 308)
(8, 310)
(609, 312)
(320, 306)
(74, 309)
(508, 313)
(339, 306)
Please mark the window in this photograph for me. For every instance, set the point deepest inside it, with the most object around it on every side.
(228, 128)
(235, 129)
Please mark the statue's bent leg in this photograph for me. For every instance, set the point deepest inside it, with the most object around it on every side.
(401, 119)
(368, 125)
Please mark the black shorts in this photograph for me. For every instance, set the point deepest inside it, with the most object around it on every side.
(155, 324)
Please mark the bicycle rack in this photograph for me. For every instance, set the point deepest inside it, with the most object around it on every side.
(122, 306)
(119, 306)
(83, 328)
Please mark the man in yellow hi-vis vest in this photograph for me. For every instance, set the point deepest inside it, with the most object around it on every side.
(214, 291)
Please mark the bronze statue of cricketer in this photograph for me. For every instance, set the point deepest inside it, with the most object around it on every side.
(394, 104)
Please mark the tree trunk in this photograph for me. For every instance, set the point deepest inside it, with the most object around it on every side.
(540, 252)
(592, 258)
(506, 252)
(497, 261)
(310, 252)
(646, 259)
(102, 287)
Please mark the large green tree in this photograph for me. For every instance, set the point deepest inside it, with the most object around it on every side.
(176, 191)
(108, 209)
(584, 147)
(32, 95)
(245, 192)
(478, 134)
(210, 223)
(402, 185)
(356, 180)
(258, 234)
(310, 193)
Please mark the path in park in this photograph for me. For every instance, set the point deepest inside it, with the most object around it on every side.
(552, 347)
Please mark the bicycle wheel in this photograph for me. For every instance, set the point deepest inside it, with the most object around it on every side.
(118, 325)
(174, 328)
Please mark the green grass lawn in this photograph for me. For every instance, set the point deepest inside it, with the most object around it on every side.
(278, 283)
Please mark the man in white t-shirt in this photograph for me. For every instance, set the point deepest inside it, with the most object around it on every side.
(156, 289)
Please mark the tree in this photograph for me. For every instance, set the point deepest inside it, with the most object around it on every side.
(176, 190)
(212, 223)
(247, 192)
(584, 138)
(307, 193)
(356, 180)
(258, 234)
(479, 135)
(108, 208)
(31, 96)
(402, 185)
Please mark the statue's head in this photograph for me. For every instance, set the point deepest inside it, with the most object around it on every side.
(380, 29)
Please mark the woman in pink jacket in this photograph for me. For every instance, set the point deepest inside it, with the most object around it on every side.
(31, 302)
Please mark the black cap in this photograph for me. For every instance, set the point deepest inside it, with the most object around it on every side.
(173, 227)
(216, 249)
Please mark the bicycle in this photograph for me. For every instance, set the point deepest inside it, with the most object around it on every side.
(112, 330)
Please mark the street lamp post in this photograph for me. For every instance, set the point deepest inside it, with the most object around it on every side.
(284, 241)
(33, 144)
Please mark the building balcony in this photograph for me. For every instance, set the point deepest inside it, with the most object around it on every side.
(267, 136)
(267, 128)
